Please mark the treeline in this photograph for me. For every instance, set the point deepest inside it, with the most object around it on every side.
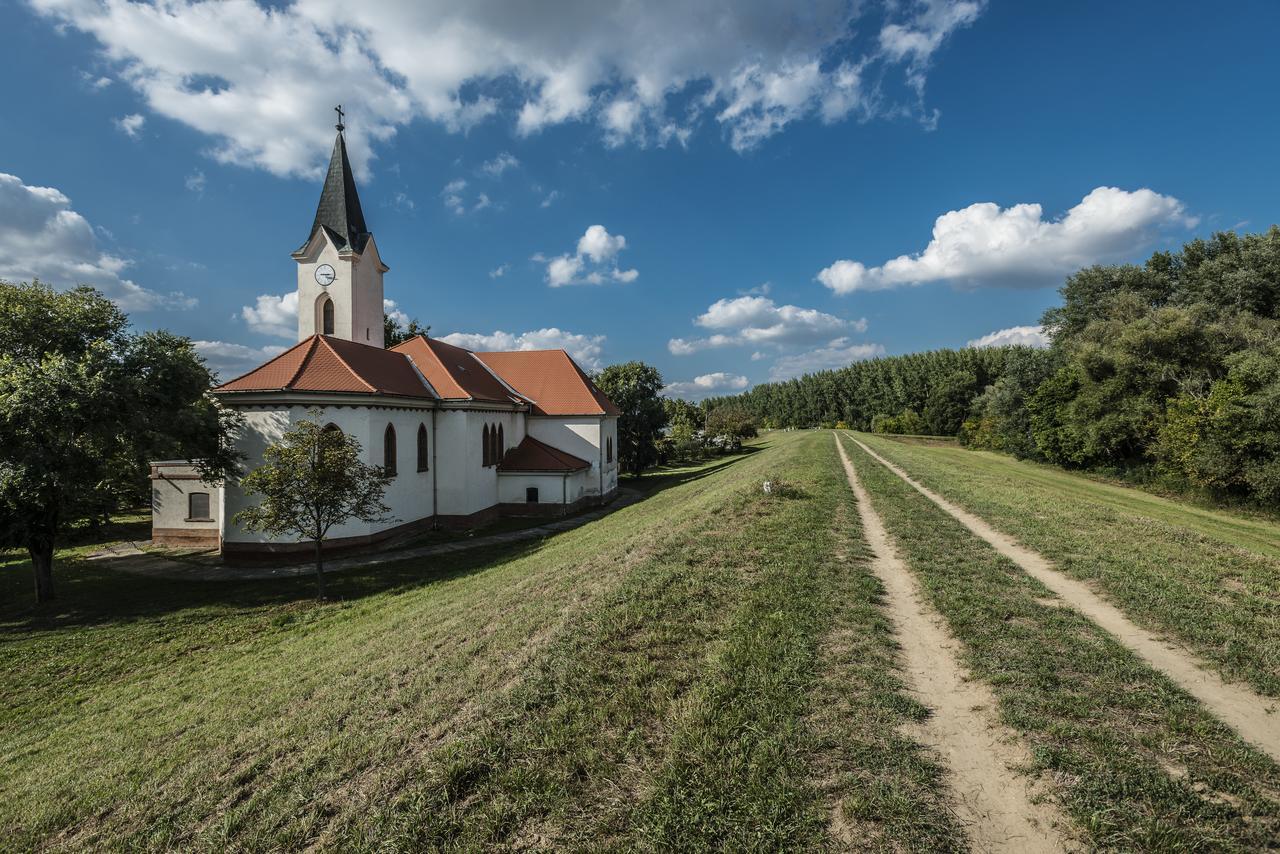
(1167, 371)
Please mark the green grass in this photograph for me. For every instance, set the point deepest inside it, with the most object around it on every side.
(1138, 763)
(1208, 578)
(707, 668)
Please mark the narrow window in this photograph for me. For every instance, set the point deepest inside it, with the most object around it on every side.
(389, 450)
(424, 456)
(198, 506)
(484, 452)
(609, 450)
(327, 312)
(531, 495)
(502, 445)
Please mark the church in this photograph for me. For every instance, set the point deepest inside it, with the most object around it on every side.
(467, 436)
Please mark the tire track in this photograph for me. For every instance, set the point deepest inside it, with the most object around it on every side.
(1252, 715)
(995, 803)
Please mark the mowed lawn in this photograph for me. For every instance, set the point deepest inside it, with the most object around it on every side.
(709, 667)
(1205, 578)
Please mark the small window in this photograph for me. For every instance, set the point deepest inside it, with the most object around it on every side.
(198, 506)
(424, 452)
(609, 450)
(531, 495)
(389, 450)
(502, 445)
(485, 446)
(327, 314)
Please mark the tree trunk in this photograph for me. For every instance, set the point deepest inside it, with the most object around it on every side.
(41, 551)
(320, 569)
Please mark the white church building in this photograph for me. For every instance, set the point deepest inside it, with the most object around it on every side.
(468, 436)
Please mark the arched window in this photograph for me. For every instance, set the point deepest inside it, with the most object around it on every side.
(424, 453)
(326, 313)
(609, 450)
(389, 450)
(502, 446)
(485, 447)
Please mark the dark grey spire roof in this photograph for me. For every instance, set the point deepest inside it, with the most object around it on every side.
(339, 209)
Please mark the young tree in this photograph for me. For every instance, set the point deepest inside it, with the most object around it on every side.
(634, 387)
(311, 480)
(83, 405)
(393, 333)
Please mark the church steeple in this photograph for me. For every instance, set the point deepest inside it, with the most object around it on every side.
(339, 209)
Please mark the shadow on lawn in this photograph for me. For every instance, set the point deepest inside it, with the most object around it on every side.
(91, 593)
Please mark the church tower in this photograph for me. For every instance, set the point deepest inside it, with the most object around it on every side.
(339, 269)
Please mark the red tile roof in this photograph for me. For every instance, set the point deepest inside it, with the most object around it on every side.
(453, 372)
(551, 381)
(534, 456)
(323, 363)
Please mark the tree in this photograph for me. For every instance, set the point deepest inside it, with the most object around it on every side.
(634, 388)
(311, 480)
(731, 421)
(83, 405)
(393, 333)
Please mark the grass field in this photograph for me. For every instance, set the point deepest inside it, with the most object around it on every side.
(711, 667)
(705, 668)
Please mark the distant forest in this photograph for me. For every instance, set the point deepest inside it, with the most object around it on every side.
(1169, 370)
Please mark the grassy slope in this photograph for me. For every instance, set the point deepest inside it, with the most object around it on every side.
(1138, 763)
(700, 669)
(1206, 577)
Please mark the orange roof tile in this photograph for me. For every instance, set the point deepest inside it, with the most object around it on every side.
(531, 455)
(552, 382)
(323, 363)
(453, 372)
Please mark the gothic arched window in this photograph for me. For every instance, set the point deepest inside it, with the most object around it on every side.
(326, 313)
(502, 446)
(389, 450)
(486, 446)
(424, 455)
(609, 453)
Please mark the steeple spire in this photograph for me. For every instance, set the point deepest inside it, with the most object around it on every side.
(339, 209)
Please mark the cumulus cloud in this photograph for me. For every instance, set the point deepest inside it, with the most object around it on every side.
(42, 237)
(706, 385)
(586, 350)
(391, 310)
(195, 182)
(231, 360)
(757, 320)
(549, 199)
(131, 125)
(273, 315)
(836, 354)
(499, 271)
(593, 263)
(985, 244)
(499, 164)
(257, 77)
(1027, 336)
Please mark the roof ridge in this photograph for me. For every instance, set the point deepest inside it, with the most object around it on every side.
(345, 363)
(306, 360)
(254, 370)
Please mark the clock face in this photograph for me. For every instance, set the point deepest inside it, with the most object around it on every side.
(325, 275)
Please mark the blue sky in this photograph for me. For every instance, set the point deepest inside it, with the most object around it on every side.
(761, 166)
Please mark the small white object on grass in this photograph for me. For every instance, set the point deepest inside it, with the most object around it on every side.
(768, 487)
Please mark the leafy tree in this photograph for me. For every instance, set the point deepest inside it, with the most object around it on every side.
(731, 420)
(393, 333)
(634, 388)
(83, 405)
(311, 480)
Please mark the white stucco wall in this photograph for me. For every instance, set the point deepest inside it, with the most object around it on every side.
(356, 292)
(465, 485)
(512, 486)
(171, 488)
(409, 494)
(583, 436)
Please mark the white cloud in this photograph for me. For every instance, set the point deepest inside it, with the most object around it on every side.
(131, 125)
(500, 164)
(707, 385)
(586, 350)
(273, 315)
(257, 78)
(41, 237)
(195, 182)
(550, 198)
(836, 354)
(984, 244)
(231, 360)
(499, 271)
(1027, 336)
(757, 320)
(452, 195)
(594, 262)
(390, 308)
(402, 201)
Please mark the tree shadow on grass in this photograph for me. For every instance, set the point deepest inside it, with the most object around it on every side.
(91, 593)
(658, 480)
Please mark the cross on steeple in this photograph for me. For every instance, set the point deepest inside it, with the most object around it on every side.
(338, 110)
